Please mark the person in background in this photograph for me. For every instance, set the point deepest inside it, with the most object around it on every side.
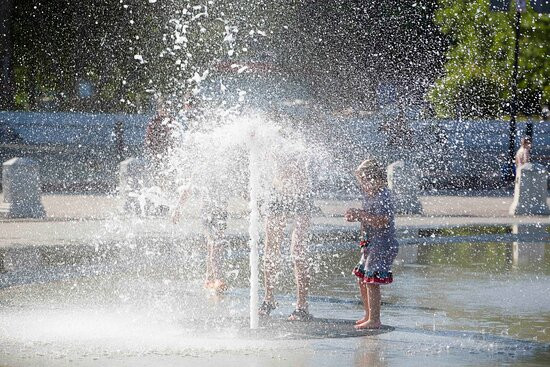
(523, 155)
(159, 134)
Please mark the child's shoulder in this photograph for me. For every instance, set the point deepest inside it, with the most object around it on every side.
(382, 201)
(386, 193)
(382, 194)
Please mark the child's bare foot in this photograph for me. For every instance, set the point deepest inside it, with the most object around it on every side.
(219, 286)
(364, 319)
(300, 314)
(370, 324)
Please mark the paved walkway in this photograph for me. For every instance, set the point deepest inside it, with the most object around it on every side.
(490, 204)
(84, 219)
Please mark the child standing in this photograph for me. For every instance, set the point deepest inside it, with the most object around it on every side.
(214, 221)
(378, 244)
(291, 199)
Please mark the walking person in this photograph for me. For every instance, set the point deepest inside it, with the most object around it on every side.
(160, 138)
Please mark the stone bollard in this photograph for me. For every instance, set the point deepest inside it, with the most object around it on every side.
(408, 252)
(526, 252)
(404, 182)
(530, 191)
(21, 186)
(131, 181)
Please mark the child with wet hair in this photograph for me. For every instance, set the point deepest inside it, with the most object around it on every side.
(378, 243)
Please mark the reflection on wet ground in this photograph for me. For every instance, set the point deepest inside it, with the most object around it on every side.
(460, 305)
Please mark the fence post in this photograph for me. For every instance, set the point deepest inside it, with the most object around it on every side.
(404, 183)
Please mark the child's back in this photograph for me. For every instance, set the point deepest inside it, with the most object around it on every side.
(382, 237)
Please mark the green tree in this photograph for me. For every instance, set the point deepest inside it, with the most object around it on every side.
(7, 82)
(478, 73)
(131, 50)
(350, 47)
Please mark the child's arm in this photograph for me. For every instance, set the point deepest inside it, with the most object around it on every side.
(176, 215)
(377, 221)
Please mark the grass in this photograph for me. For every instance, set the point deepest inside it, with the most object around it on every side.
(473, 230)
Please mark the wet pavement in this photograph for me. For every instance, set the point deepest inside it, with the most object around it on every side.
(81, 219)
(132, 294)
(436, 313)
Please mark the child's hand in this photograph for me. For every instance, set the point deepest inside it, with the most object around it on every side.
(176, 215)
(352, 214)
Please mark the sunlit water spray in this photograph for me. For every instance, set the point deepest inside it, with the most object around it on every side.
(235, 158)
(254, 228)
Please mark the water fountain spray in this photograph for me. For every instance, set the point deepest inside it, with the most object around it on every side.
(254, 226)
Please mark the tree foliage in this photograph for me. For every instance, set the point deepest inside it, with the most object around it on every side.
(478, 72)
(352, 48)
(133, 50)
(128, 50)
(59, 44)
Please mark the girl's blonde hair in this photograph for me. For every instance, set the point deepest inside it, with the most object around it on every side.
(370, 168)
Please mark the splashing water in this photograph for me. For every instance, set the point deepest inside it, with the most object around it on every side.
(254, 229)
(240, 156)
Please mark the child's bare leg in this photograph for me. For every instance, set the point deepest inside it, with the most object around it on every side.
(373, 322)
(215, 251)
(274, 232)
(209, 265)
(375, 301)
(300, 261)
(365, 299)
(214, 248)
(209, 270)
